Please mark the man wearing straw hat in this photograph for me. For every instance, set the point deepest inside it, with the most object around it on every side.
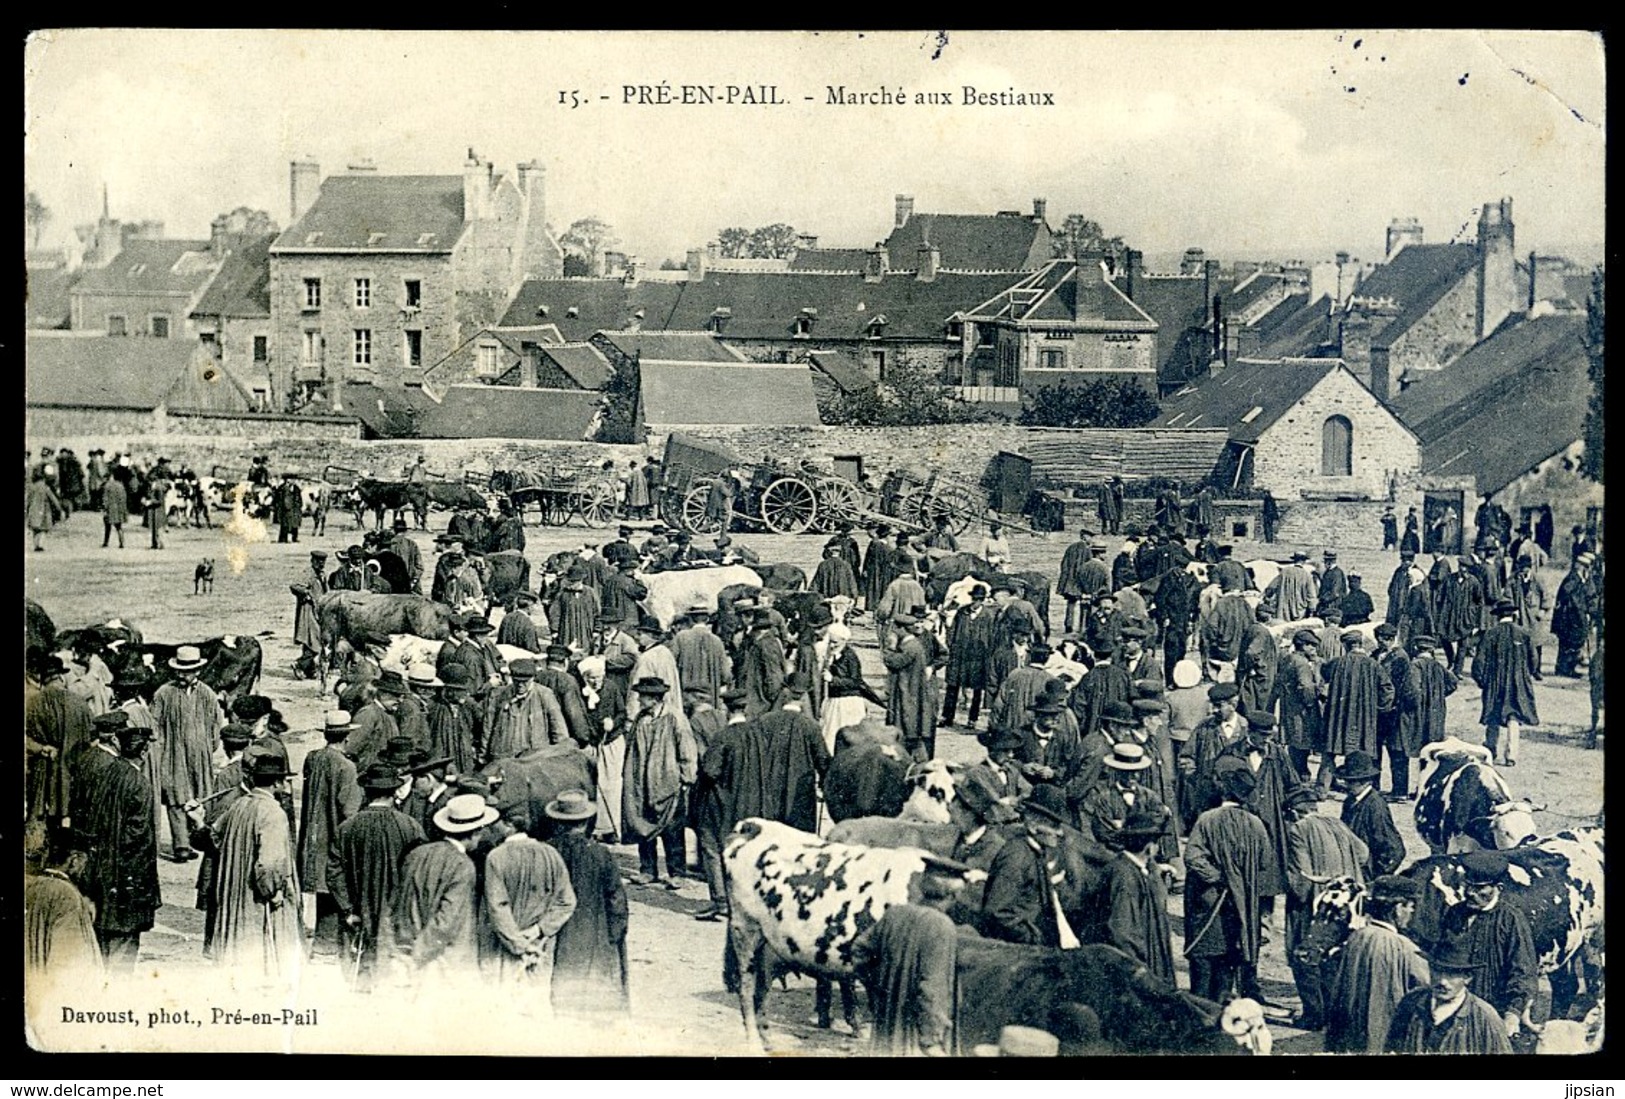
(527, 898)
(1117, 793)
(258, 929)
(432, 933)
(1444, 1017)
(186, 718)
(366, 872)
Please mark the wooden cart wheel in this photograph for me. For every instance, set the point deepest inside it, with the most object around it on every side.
(693, 518)
(670, 507)
(789, 506)
(557, 508)
(839, 501)
(960, 505)
(912, 507)
(598, 506)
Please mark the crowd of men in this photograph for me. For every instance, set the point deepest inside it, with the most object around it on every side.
(456, 824)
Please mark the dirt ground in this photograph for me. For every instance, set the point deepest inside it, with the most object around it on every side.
(678, 1002)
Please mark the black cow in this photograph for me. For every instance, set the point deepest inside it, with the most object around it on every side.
(785, 578)
(396, 496)
(233, 663)
(453, 495)
(504, 575)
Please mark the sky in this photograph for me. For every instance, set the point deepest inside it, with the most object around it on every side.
(1284, 145)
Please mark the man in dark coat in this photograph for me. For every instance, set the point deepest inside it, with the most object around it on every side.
(834, 576)
(366, 864)
(1297, 689)
(1273, 780)
(331, 797)
(1227, 853)
(1081, 574)
(1443, 1017)
(1357, 691)
(970, 643)
(1356, 603)
(1396, 727)
(1134, 895)
(877, 568)
(1497, 939)
(1270, 515)
(1367, 815)
(1378, 965)
(1176, 605)
(1020, 905)
(1572, 615)
(456, 725)
(1505, 670)
(122, 870)
(555, 675)
(518, 628)
(1319, 850)
(288, 503)
(1434, 684)
(710, 813)
(762, 665)
(846, 546)
(908, 958)
(1198, 784)
(1334, 584)
(589, 954)
(1257, 664)
(774, 767)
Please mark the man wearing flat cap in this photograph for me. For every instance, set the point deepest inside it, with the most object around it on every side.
(1334, 583)
(1444, 1016)
(1297, 687)
(1377, 967)
(1496, 937)
(524, 715)
(1434, 685)
(1574, 614)
(1319, 849)
(911, 698)
(1227, 853)
(1396, 728)
(1198, 786)
(1357, 691)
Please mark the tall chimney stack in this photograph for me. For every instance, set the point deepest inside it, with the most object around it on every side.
(1040, 207)
(304, 184)
(929, 260)
(696, 264)
(878, 264)
(905, 209)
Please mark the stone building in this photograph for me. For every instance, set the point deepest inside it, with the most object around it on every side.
(109, 390)
(233, 316)
(148, 289)
(381, 276)
(1006, 241)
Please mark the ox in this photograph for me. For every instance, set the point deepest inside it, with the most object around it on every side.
(782, 577)
(233, 663)
(406, 652)
(396, 496)
(1556, 882)
(931, 818)
(1464, 805)
(358, 617)
(453, 495)
(505, 574)
(948, 573)
(672, 593)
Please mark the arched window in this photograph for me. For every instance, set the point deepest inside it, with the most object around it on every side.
(1337, 447)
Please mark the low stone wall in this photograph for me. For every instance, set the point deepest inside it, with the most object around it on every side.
(961, 450)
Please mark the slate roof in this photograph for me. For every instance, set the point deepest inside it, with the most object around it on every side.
(150, 267)
(1441, 398)
(581, 307)
(1177, 305)
(971, 242)
(831, 259)
(1416, 279)
(1258, 285)
(242, 288)
(844, 372)
(583, 363)
(693, 346)
(380, 213)
(386, 412)
(679, 393)
(123, 372)
(1296, 327)
(48, 303)
(506, 412)
(1052, 293)
(1225, 399)
(1498, 431)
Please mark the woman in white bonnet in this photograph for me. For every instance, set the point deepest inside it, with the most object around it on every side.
(844, 685)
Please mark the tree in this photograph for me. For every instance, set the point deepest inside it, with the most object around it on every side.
(669, 264)
(1118, 402)
(1079, 234)
(912, 395)
(617, 422)
(776, 241)
(588, 239)
(35, 215)
(732, 242)
(1591, 463)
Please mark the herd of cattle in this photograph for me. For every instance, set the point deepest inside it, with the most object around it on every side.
(190, 501)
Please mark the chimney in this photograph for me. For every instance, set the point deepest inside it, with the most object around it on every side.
(528, 365)
(1192, 263)
(1354, 340)
(1210, 285)
(696, 264)
(930, 260)
(1131, 270)
(1497, 266)
(806, 241)
(220, 242)
(304, 183)
(878, 264)
(1089, 272)
(538, 257)
(1345, 278)
(1401, 233)
(632, 266)
(905, 209)
(1039, 208)
(532, 178)
(476, 188)
(712, 249)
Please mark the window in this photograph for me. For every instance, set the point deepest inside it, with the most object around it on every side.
(487, 363)
(210, 339)
(116, 325)
(363, 347)
(158, 325)
(262, 350)
(313, 347)
(1052, 360)
(262, 401)
(414, 293)
(313, 293)
(363, 293)
(414, 347)
(880, 365)
(1337, 447)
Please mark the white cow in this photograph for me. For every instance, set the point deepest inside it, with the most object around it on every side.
(672, 593)
(407, 651)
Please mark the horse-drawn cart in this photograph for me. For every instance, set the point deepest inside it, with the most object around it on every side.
(696, 494)
(921, 498)
(558, 495)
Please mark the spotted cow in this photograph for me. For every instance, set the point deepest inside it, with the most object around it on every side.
(1337, 912)
(1464, 803)
(1556, 882)
(930, 819)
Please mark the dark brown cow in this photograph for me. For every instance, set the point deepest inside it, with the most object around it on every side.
(234, 660)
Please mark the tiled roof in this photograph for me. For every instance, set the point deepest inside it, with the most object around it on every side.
(1440, 398)
(693, 346)
(383, 213)
(845, 372)
(1053, 294)
(1082, 456)
(386, 412)
(152, 267)
(679, 393)
(124, 372)
(48, 303)
(1229, 398)
(830, 259)
(506, 412)
(581, 307)
(971, 242)
(243, 286)
(582, 362)
(1416, 279)
(1504, 428)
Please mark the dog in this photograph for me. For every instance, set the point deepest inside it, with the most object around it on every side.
(203, 577)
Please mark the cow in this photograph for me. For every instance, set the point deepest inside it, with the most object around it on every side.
(672, 593)
(1338, 910)
(949, 571)
(454, 495)
(785, 578)
(1463, 803)
(233, 667)
(1556, 882)
(39, 632)
(1096, 999)
(359, 617)
(1263, 573)
(396, 496)
(930, 819)
(505, 574)
(406, 652)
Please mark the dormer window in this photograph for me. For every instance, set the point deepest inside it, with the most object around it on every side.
(877, 325)
(313, 238)
(573, 312)
(137, 269)
(375, 239)
(719, 318)
(541, 310)
(425, 239)
(804, 322)
(956, 329)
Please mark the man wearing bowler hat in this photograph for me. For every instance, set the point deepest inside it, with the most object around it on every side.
(1134, 893)
(1367, 815)
(1357, 691)
(1377, 966)
(257, 931)
(1227, 853)
(432, 932)
(1445, 1017)
(1497, 939)
(331, 796)
(365, 874)
(1020, 903)
(122, 870)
